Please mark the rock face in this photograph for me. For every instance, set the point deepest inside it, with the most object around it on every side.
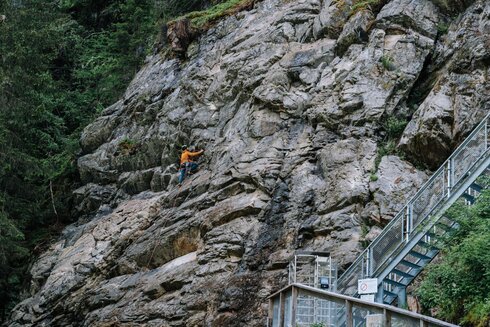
(290, 101)
(460, 70)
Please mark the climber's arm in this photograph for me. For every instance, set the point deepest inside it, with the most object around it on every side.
(194, 154)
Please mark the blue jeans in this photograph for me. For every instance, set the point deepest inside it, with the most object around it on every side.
(188, 167)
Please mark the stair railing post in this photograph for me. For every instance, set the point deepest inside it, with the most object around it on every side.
(295, 270)
(449, 174)
(403, 228)
(367, 262)
(408, 221)
(486, 135)
(363, 267)
(370, 262)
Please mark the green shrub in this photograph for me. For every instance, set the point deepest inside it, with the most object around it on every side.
(387, 63)
(394, 127)
(127, 146)
(457, 289)
(442, 28)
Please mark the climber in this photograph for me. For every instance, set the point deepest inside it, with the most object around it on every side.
(187, 166)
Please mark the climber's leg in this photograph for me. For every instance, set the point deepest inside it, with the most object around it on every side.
(194, 167)
(182, 174)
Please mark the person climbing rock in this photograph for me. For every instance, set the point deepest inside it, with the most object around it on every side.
(187, 165)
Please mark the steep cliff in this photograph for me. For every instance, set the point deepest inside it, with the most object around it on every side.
(301, 107)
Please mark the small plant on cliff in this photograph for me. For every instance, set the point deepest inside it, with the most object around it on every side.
(442, 28)
(127, 146)
(387, 63)
(394, 127)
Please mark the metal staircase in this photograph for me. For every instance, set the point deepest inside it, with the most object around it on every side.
(410, 241)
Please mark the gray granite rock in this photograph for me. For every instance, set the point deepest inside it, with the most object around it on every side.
(355, 30)
(289, 101)
(396, 182)
(460, 96)
(419, 15)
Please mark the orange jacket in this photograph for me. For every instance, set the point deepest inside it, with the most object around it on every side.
(187, 156)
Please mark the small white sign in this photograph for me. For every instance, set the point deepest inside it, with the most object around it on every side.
(367, 297)
(367, 286)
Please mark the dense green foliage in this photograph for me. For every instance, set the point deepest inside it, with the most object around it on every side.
(60, 63)
(458, 288)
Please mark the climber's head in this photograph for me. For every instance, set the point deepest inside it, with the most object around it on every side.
(184, 147)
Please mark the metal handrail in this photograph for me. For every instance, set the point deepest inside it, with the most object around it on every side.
(424, 223)
(349, 302)
(405, 216)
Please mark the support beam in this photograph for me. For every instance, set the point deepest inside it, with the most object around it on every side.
(348, 314)
(294, 299)
(380, 294)
(402, 298)
(281, 309)
(271, 312)
(386, 318)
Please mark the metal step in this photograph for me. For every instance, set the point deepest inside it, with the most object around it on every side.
(434, 236)
(419, 255)
(466, 196)
(394, 283)
(389, 297)
(410, 264)
(427, 246)
(402, 273)
(390, 294)
(389, 302)
(476, 187)
(444, 227)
